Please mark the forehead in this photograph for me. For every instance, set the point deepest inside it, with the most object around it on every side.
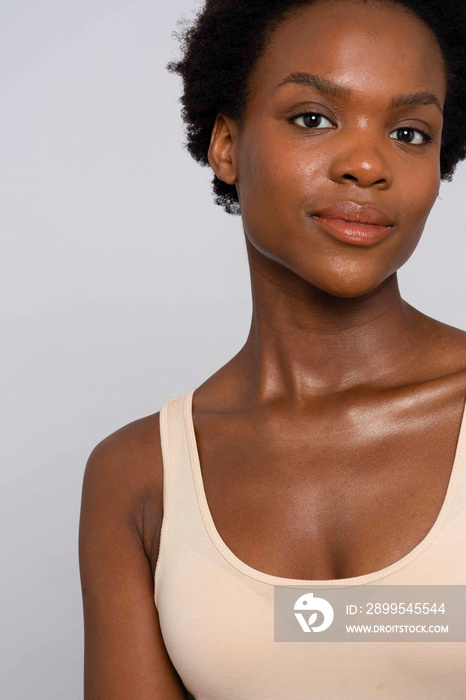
(372, 48)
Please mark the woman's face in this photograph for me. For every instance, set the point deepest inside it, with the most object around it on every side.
(288, 166)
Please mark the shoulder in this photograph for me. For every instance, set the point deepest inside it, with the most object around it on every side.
(124, 644)
(124, 472)
(443, 345)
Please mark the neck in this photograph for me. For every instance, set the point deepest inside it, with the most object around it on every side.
(303, 341)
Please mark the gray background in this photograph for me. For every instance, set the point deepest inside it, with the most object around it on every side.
(122, 285)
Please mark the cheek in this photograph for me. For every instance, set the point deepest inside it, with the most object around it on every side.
(275, 179)
(415, 200)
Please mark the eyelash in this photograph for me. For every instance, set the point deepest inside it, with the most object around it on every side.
(427, 137)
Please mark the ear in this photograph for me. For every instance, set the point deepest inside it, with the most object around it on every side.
(221, 153)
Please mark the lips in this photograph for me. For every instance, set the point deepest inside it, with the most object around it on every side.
(355, 213)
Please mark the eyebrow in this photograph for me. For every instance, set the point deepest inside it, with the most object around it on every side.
(329, 87)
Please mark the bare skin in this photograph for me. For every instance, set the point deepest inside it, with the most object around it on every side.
(327, 442)
(346, 399)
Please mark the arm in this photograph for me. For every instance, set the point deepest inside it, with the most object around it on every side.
(124, 653)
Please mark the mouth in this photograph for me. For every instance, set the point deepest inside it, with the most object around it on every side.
(354, 232)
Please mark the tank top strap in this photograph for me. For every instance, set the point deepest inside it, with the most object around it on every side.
(175, 450)
(182, 524)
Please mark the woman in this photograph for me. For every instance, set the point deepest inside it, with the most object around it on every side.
(332, 445)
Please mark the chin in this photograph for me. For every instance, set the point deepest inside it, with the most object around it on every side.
(350, 288)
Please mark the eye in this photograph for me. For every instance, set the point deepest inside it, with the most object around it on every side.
(408, 130)
(313, 119)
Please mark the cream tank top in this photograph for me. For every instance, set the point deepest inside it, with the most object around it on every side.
(217, 613)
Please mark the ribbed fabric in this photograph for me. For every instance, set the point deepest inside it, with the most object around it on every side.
(217, 613)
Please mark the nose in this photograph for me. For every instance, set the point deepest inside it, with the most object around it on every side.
(360, 160)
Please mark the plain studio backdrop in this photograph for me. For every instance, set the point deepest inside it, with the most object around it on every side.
(122, 286)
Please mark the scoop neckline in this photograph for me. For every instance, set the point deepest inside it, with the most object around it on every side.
(225, 551)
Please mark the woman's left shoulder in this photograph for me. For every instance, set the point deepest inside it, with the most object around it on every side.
(449, 347)
(453, 339)
(443, 347)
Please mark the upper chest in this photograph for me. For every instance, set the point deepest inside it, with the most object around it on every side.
(341, 492)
